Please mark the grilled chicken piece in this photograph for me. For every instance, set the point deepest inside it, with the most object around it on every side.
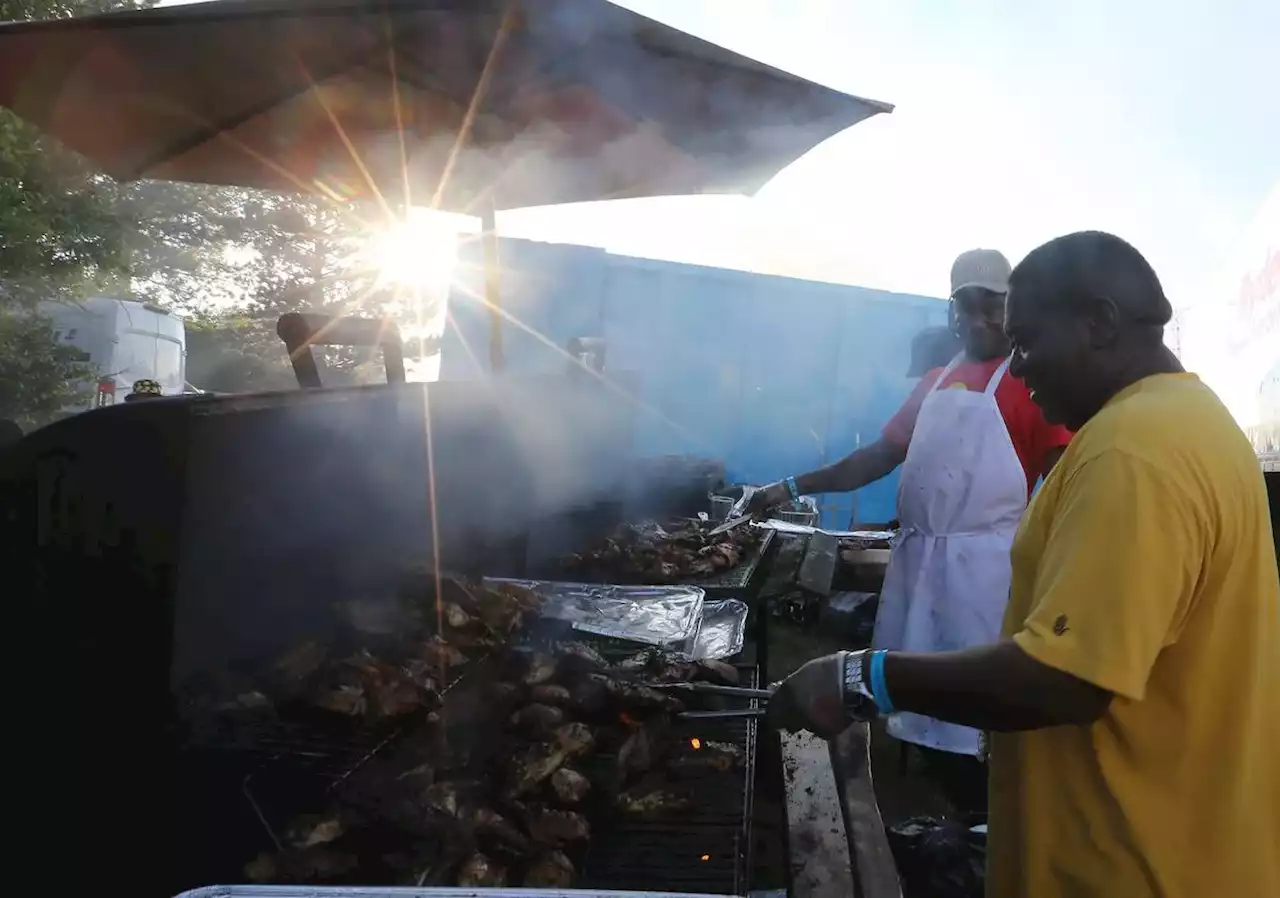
(576, 739)
(551, 871)
(349, 700)
(709, 757)
(492, 824)
(481, 872)
(442, 797)
(578, 657)
(550, 694)
(540, 669)
(650, 801)
(536, 719)
(713, 671)
(535, 765)
(317, 864)
(642, 749)
(456, 617)
(637, 697)
(441, 655)
(301, 663)
(313, 829)
(569, 785)
(558, 828)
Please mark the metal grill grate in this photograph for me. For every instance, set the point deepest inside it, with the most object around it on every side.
(706, 849)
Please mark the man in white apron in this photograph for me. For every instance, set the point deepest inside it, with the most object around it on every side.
(971, 444)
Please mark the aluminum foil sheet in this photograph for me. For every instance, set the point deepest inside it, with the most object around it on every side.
(665, 616)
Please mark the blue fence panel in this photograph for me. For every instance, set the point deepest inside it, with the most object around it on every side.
(771, 375)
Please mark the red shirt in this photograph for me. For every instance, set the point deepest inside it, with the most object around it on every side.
(1031, 434)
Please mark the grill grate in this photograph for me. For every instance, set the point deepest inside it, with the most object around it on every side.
(738, 579)
(707, 851)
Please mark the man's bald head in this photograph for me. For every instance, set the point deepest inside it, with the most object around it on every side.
(1085, 317)
(1088, 266)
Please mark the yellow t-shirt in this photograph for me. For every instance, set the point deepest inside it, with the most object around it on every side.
(1145, 565)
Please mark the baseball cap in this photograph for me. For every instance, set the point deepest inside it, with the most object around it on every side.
(984, 268)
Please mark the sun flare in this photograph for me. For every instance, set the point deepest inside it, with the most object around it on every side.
(417, 251)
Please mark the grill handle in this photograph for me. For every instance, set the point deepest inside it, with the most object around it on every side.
(300, 331)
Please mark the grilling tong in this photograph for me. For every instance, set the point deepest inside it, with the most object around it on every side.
(762, 695)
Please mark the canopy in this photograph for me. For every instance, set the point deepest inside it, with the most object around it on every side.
(461, 104)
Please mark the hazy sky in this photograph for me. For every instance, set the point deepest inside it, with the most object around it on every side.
(1015, 122)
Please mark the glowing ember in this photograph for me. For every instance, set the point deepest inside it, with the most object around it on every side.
(695, 743)
(628, 720)
(706, 857)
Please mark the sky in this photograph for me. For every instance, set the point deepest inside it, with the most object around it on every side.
(1015, 122)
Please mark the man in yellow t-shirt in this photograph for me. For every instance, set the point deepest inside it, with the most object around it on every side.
(1135, 695)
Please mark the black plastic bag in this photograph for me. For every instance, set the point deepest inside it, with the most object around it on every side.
(939, 858)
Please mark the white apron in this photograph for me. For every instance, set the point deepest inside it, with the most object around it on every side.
(961, 494)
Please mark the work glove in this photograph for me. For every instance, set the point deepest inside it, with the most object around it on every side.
(813, 698)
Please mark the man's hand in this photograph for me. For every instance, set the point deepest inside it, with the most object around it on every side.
(768, 497)
(811, 699)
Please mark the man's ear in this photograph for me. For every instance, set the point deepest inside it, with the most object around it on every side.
(1104, 322)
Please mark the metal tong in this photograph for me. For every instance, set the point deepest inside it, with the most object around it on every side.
(756, 696)
(737, 513)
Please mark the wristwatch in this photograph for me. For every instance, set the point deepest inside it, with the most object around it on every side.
(855, 692)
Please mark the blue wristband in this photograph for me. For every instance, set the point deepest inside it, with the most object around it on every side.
(792, 488)
(879, 690)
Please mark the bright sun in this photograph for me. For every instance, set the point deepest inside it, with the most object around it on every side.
(419, 251)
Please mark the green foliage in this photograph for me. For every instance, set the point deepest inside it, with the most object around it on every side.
(37, 376)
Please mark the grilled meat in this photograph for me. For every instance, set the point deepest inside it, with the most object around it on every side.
(649, 553)
(536, 719)
(569, 786)
(490, 823)
(578, 657)
(663, 667)
(576, 739)
(480, 872)
(550, 694)
(649, 799)
(456, 617)
(551, 871)
(540, 669)
(301, 663)
(442, 797)
(636, 696)
(534, 765)
(316, 864)
(642, 749)
(441, 655)
(556, 829)
(314, 829)
(708, 757)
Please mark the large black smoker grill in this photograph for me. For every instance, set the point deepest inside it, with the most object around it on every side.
(150, 545)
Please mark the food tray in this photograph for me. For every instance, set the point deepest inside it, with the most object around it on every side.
(723, 631)
(665, 616)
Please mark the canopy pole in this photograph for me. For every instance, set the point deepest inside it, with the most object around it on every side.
(492, 295)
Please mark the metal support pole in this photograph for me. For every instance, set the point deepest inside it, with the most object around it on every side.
(492, 294)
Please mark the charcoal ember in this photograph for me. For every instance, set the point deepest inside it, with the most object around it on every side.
(555, 829)
(550, 871)
(569, 786)
(315, 864)
(480, 871)
(537, 719)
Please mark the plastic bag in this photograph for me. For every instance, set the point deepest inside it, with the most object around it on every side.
(939, 858)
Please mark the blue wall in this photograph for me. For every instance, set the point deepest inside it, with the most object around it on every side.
(772, 375)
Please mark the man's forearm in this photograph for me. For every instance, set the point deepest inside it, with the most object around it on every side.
(855, 470)
(997, 687)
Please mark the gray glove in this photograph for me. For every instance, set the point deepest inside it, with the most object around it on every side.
(814, 698)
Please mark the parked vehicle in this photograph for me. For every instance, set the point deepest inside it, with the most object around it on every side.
(123, 341)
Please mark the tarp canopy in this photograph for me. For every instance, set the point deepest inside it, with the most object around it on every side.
(461, 105)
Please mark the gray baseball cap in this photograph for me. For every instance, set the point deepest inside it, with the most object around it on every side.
(984, 268)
